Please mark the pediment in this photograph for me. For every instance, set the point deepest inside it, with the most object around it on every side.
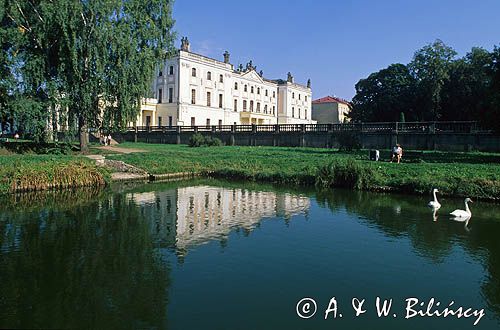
(252, 75)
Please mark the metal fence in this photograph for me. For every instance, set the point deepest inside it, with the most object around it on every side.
(395, 127)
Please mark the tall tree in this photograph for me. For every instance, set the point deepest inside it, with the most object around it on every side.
(384, 95)
(430, 67)
(96, 58)
(465, 94)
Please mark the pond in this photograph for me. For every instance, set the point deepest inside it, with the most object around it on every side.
(208, 254)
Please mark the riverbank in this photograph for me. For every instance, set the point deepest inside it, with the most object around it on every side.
(475, 175)
(32, 172)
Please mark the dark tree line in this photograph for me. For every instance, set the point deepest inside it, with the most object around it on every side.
(86, 62)
(435, 85)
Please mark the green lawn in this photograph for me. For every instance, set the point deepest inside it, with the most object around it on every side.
(470, 174)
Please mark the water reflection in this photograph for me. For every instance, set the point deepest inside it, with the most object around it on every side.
(188, 216)
(87, 259)
(404, 216)
(79, 262)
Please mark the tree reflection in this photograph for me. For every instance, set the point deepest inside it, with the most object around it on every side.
(91, 264)
(431, 239)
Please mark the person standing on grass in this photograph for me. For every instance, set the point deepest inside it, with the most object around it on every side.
(397, 153)
(109, 139)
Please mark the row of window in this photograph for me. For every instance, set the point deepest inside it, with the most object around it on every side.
(209, 98)
(293, 113)
(170, 95)
(221, 98)
(293, 96)
(257, 109)
(245, 89)
(170, 71)
(221, 79)
(209, 75)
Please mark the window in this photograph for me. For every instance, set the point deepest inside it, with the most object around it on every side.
(208, 121)
(266, 92)
(244, 105)
(170, 95)
(171, 70)
(258, 90)
(293, 112)
(221, 78)
(274, 109)
(306, 98)
(245, 88)
(235, 86)
(235, 105)
(220, 100)
(193, 96)
(220, 122)
(169, 121)
(251, 106)
(299, 96)
(209, 75)
(160, 92)
(293, 95)
(305, 113)
(274, 93)
(209, 99)
(299, 112)
(193, 123)
(193, 72)
(258, 106)
(265, 108)
(160, 73)
(251, 89)
(159, 121)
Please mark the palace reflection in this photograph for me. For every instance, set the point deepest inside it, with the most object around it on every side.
(185, 217)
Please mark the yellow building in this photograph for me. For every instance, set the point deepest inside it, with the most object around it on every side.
(330, 110)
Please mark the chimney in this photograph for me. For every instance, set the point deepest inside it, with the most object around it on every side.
(289, 78)
(185, 44)
(226, 57)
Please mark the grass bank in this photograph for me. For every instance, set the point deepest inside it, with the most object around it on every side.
(23, 172)
(475, 175)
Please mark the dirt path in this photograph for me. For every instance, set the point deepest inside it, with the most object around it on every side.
(121, 150)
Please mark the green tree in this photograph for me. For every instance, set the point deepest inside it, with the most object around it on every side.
(95, 58)
(465, 96)
(430, 68)
(384, 95)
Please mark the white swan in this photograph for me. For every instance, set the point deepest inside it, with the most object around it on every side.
(434, 204)
(461, 215)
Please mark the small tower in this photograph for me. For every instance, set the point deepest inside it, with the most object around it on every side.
(185, 44)
(226, 57)
(289, 78)
(308, 83)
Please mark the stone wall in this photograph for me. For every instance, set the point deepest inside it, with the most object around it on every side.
(368, 140)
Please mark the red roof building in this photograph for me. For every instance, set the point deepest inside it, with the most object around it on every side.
(330, 110)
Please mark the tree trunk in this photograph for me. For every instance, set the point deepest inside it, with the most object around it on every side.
(84, 135)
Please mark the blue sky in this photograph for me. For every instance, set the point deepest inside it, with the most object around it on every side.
(335, 43)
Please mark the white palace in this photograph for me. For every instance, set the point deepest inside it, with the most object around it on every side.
(193, 89)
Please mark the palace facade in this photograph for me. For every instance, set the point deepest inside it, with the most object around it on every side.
(192, 90)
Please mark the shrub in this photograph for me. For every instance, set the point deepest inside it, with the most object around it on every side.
(198, 140)
(345, 173)
(348, 141)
